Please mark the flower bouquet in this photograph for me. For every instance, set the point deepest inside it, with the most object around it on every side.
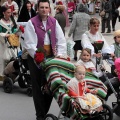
(40, 57)
(21, 28)
(98, 45)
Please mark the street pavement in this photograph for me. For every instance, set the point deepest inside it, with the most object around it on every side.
(18, 106)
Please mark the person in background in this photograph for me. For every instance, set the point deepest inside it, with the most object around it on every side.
(65, 12)
(33, 2)
(36, 35)
(107, 8)
(19, 3)
(26, 12)
(13, 6)
(114, 14)
(115, 47)
(91, 7)
(60, 17)
(89, 37)
(52, 8)
(79, 25)
(7, 27)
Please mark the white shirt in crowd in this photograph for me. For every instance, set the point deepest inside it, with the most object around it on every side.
(88, 39)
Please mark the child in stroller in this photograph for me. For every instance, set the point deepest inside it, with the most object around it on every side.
(84, 96)
(58, 73)
(16, 70)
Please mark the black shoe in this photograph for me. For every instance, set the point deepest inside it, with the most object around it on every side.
(102, 32)
(40, 118)
(75, 58)
(113, 29)
(108, 32)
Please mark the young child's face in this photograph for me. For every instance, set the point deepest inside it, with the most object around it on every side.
(85, 57)
(80, 75)
(117, 39)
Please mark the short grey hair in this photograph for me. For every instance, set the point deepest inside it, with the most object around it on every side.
(80, 8)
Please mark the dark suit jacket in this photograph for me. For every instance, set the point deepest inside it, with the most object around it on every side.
(24, 15)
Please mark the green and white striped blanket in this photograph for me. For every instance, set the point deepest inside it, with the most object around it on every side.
(58, 73)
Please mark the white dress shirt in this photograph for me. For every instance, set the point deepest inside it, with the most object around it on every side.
(88, 39)
(31, 40)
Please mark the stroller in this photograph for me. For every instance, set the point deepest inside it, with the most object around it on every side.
(115, 90)
(71, 9)
(109, 80)
(16, 71)
(58, 73)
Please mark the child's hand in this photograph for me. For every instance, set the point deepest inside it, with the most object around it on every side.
(102, 68)
(93, 91)
(82, 97)
(112, 55)
(7, 35)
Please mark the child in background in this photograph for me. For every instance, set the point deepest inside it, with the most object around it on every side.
(115, 49)
(84, 96)
(85, 60)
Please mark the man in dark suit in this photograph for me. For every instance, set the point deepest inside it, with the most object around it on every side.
(107, 7)
(114, 13)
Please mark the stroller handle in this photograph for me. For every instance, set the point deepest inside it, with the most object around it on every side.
(106, 56)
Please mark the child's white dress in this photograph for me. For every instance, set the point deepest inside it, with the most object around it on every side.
(75, 89)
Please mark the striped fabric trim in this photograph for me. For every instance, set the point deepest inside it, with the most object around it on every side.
(58, 73)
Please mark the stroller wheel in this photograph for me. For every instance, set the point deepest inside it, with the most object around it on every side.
(116, 108)
(29, 92)
(106, 114)
(50, 117)
(21, 82)
(8, 85)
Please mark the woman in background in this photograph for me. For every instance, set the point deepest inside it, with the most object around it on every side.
(26, 12)
(64, 2)
(7, 26)
(13, 6)
(79, 25)
(60, 17)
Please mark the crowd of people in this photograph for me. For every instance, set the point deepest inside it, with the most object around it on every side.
(44, 25)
